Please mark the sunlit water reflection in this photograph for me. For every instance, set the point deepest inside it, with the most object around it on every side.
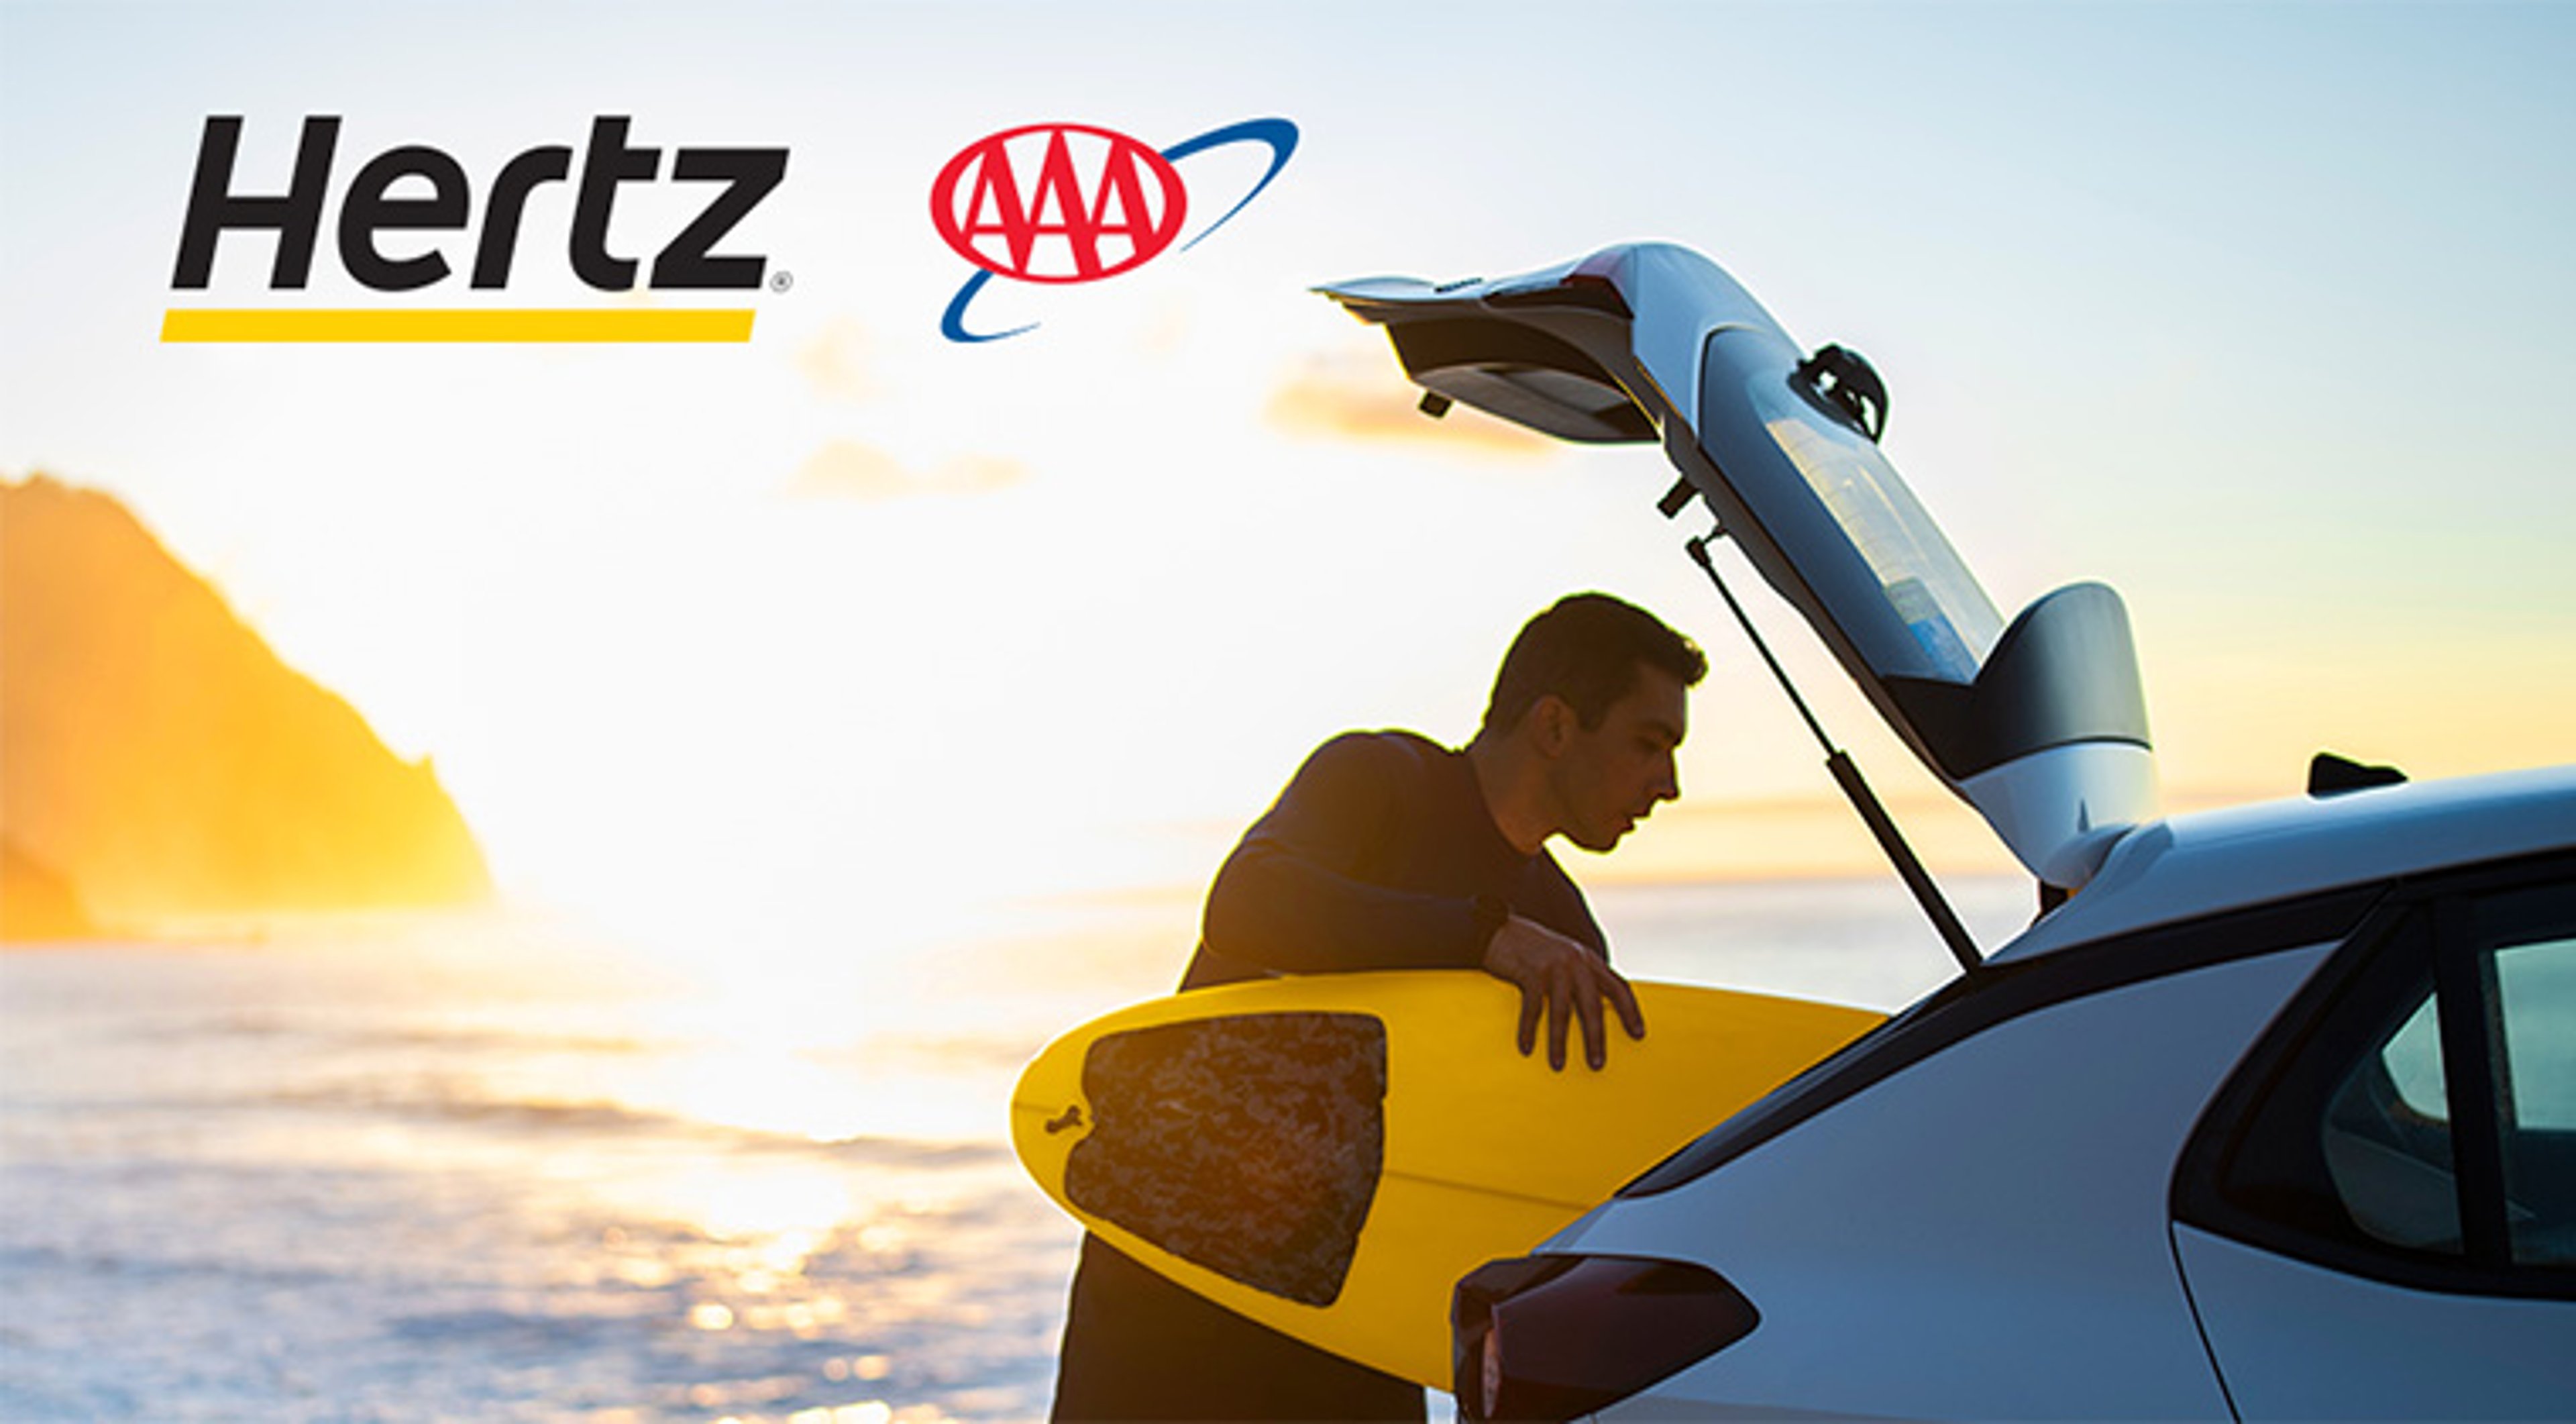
(476, 1168)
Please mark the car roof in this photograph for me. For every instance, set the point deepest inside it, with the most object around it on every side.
(2184, 867)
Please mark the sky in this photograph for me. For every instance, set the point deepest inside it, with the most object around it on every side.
(2255, 312)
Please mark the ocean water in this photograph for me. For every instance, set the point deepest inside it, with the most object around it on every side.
(495, 1168)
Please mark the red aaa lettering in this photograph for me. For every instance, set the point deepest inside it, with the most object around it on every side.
(1120, 224)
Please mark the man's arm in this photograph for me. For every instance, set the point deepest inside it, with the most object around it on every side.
(1288, 899)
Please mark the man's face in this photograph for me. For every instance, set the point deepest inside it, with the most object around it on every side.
(1610, 777)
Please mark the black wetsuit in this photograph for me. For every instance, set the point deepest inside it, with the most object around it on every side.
(1381, 854)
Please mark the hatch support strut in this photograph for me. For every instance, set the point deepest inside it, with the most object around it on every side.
(1847, 776)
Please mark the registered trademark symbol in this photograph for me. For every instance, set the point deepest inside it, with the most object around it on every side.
(781, 281)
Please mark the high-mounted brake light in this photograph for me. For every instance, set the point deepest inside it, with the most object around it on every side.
(1553, 1337)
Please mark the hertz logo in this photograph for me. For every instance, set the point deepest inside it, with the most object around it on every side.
(389, 242)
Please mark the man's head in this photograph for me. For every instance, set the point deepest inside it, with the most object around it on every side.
(1593, 690)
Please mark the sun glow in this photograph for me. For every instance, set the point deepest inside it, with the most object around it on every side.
(782, 1210)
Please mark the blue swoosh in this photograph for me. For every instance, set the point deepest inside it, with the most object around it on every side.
(1279, 134)
(952, 322)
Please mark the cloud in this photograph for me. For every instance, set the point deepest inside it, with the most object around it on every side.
(840, 363)
(846, 469)
(1169, 324)
(1345, 396)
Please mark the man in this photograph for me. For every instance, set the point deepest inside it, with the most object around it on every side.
(1388, 851)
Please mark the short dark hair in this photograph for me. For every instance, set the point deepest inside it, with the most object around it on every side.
(1586, 649)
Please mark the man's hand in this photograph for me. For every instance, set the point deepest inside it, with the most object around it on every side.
(1563, 978)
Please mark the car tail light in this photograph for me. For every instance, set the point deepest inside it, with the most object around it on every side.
(1553, 1337)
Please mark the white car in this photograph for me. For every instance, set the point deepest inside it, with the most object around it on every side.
(2272, 1116)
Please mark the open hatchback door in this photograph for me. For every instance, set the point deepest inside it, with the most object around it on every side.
(2039, 723)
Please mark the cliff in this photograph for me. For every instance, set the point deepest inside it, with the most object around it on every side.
(157, 758)
(35, 903)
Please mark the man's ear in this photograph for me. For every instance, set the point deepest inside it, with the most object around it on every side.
(1552, 724)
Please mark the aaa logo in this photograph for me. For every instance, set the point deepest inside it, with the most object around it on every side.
(1063, 203)
(1059, 229)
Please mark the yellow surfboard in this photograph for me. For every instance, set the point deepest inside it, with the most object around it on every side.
(1329, 1153)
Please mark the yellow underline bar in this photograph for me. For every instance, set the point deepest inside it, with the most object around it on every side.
(453, 324)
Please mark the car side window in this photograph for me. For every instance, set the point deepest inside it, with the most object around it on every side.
(2535, 982)
(2425, 1118)
(2385, 1136)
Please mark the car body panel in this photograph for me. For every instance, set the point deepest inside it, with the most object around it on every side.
(2189, 866)
(2298, 1340)
(1981, 1235)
